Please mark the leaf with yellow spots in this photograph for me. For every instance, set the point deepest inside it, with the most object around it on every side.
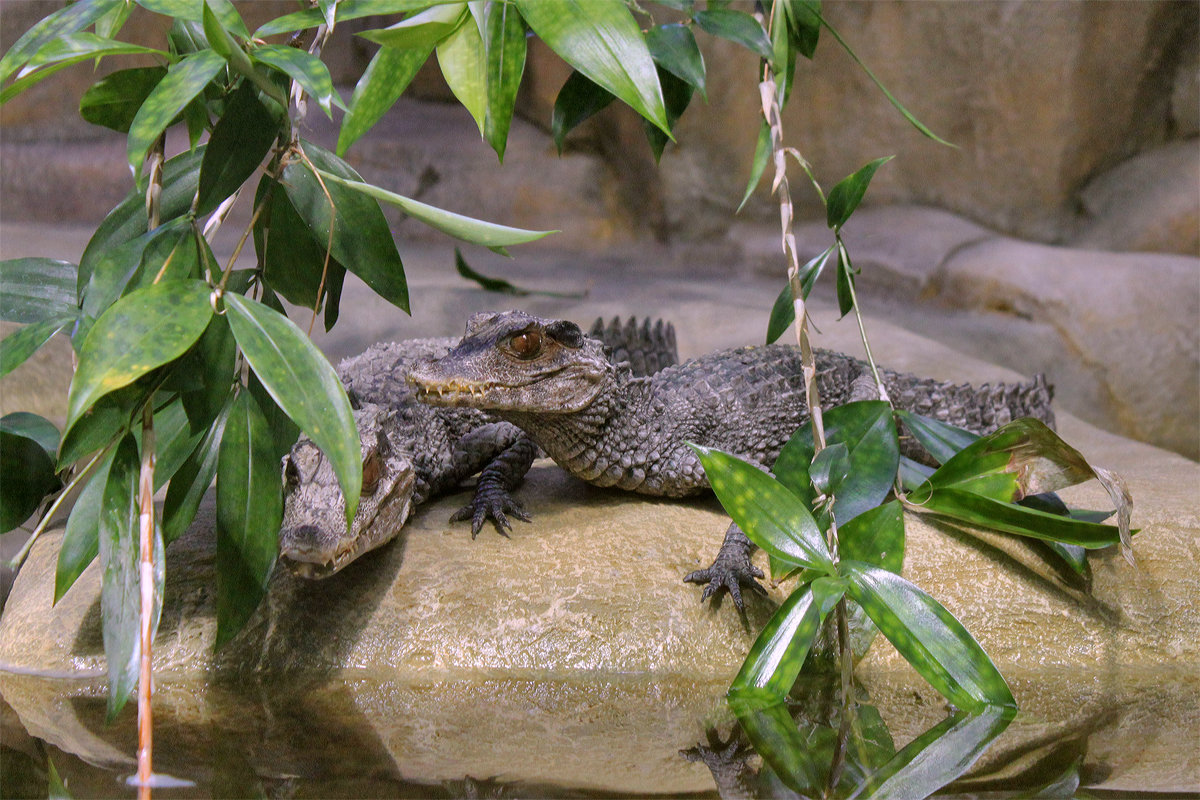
(143, 330)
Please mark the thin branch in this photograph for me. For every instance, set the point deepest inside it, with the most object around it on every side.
(146, 585)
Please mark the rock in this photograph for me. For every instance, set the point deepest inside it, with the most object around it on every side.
(1126, 323)
(1149, 203)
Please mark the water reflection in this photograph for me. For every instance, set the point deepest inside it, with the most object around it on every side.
(605, 736)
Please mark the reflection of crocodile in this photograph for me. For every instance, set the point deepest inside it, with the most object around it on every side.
(412, 452)
(602, 424)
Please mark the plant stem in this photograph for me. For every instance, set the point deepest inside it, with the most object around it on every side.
(146, 586)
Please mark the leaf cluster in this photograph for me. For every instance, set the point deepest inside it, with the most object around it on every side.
(848, 488)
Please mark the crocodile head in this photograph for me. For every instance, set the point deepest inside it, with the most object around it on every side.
(513, 361)
(314, 540)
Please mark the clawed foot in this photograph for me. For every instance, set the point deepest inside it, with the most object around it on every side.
(495, 504)
(730, 573)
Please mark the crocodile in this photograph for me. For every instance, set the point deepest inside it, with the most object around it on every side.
(609, 427)
(412, 452)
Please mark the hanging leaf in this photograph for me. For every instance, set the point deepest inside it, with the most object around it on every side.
(120, 594)
(249, 511)
(143, 330)
(184, 80)
(845, 197)
(467, 229)
(928, 636)
(940, 439)
(975, 509)
(192, 480)
(505, 48)
(18, 346)
(301, 381)
(777, 655)
(36, 289)
(774, 518)
(305, 69)
(103, 426)
(362, 239)
(81, 542)
(384, 80)
(422, 30)
(675, 49)
(677, 94)
(463, 62)
(738, 27)
(239, 142)
(783, 312)
(346, 10)
(28, 477)
(762, 154)
(845, 281)
(601, 39)
(578, 99)
(113, 101)
(65, 21)
(499, 284)
(77, 47)
(292, 260)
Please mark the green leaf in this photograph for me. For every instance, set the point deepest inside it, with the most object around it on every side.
(762, 154)
(773, 734)
(777, 655)
(868, 431)
(111, 23)
(81, 542)
(845, 281)
(928, 636)
(192, 480)
(183, 82)
(105, 423)
(677, 95)
(249, 511)
(499, 284)
(875, 537)
(239, 142)
(381, 84)
(128, 220)
(845, 197)
(783, 312)
(938, 756)
(292, 260)
(738, 27)
(143, 330)
(120, 595)
(301, 381)
(916, 123)
(362, 240)
(346, 10)
(940, 439)
(803, 24)
(674, 48)
(174, 440)
(578, 99)
(421, 30)
(113, 101)
(18, 346)
(967, 506)
(774, 518)
(305, 69)
(463, 62)
(67, 20)
(36, 289)
(32, 426)
(601, 39)
(76, 47)
(467, 229)
(28, 477)
(193, 11)
(829, 468)
(505, 47)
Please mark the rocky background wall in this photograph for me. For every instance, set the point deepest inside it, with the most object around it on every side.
(1061, 234)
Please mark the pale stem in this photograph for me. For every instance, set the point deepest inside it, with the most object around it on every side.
(146, 585)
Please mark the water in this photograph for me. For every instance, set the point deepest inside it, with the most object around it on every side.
(371, 735)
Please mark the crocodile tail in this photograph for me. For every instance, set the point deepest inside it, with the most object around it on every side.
(980, 409)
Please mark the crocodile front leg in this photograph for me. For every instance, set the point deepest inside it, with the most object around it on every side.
(493, 492)
(731, 570)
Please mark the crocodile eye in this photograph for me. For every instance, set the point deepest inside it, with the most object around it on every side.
(526, 345)
(370, 478)
(291, 474)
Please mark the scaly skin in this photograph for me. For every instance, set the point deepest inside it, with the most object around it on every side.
(412, 452)
(610, 428)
